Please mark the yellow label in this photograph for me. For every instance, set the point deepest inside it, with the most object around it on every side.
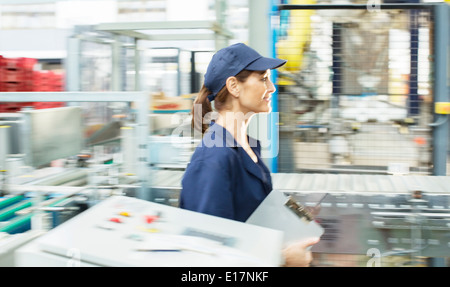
(150, 230)
(442, 108)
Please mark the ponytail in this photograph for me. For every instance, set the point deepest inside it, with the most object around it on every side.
(201, 107)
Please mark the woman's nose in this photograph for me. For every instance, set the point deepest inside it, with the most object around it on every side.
(271, 87)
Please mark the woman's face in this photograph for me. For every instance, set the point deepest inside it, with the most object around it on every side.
(255, 93)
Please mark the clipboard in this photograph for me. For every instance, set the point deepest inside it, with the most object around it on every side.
(281, 212)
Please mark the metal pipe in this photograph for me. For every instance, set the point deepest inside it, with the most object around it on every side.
(128, 139)
(72, 64)
(440, 88)
(4, 146)
(137, 66)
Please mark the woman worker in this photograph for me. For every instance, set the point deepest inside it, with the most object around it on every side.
(226, 176)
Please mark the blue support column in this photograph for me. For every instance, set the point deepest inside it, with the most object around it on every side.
(274, 116)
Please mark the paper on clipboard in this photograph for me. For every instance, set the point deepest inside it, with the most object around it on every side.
(274, 212)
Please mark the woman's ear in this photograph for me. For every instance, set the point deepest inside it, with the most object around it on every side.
(233, 86)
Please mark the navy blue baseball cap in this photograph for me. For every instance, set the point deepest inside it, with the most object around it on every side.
(230, 61)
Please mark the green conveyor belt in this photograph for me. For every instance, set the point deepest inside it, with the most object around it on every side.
(9, 212)
(14, 204)
(16, 223)
(11, 200)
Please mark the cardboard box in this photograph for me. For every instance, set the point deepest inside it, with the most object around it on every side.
(161, 103)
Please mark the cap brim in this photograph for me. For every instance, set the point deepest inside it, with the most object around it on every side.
(264, 63)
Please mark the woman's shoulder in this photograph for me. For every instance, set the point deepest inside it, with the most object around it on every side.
(215, 155)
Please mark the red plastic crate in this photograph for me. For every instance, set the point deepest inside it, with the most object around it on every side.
(14, 86)
(15, 75)
(19, 63)
(41, 78)
(47, 105)
(14, 107)
(42, 88)
(38, 77)
(57, 77)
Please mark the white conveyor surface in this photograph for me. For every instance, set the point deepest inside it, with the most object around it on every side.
(92, 239)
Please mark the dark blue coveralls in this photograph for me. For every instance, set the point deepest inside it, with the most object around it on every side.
(222, 179)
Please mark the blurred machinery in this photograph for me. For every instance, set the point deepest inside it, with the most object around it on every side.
(357, 123)
(135, 56)
(395, 220)
(359, 120)
(403, 219)
(358, 95)
(53, 167)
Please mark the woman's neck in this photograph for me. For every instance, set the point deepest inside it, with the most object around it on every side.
(236, 123)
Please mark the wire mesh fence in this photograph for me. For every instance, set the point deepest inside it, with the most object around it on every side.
(356, 94)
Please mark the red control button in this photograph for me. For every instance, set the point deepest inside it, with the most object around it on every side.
(115, 219)
(150, 218)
